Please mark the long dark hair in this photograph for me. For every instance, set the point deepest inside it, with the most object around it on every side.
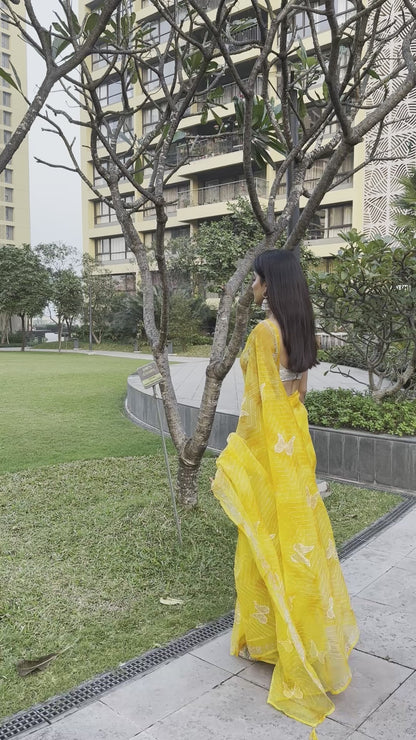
(289, 301)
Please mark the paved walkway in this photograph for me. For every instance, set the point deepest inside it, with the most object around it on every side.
(209, 695)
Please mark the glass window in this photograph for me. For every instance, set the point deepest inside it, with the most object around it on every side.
(7, 118)
(111, 91)
(7, 135)
(8, 175)
(5, 41)
(151, 117)
(9, 213)
(8, 195)
(10, 232)
(4, 22)
(7, 99)
(5, 60)
(111, 249)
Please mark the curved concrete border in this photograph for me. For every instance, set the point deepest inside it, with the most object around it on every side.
(349, 455)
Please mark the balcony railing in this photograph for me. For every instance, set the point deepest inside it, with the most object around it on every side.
(223, 192)
(302, 24)
(326, 232)
(210, 147)
(231, 91)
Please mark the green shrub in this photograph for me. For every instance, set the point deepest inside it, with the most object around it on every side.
(351, 410)
(342, 355)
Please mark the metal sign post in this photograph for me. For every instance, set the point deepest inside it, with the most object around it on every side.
(150, 376)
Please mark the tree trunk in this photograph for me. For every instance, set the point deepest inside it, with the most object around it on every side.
(22, 316)
(187, 483)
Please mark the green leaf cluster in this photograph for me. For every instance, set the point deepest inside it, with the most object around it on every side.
(339, 408)
(263, 129)
(371, 295)
(25, 286)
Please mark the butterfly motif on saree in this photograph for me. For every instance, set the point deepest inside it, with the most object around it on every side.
(300, 552)
(261, 613)
(283, 446)
(292, 693)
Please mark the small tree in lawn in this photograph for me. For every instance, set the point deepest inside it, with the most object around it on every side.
(371, 295)
(67, 298)
(98, 296)
(325, 100)
(25, 286)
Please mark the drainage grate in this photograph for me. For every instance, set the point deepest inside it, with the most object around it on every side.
(50, 710)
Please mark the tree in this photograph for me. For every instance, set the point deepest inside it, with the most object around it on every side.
(126, 320)
(52, 47)
(316, 104)
(67, 298)
(99, 293)
(25, 287)
(371, 295)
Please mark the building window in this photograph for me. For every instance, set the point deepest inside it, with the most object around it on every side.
(5, 60)
(318, 9)
(150, 118)
(5, 83)
(10, 232)
(126, 132)
(7, 99)
(7, 118)
(5, 41)
(151, 78)
(4, 22)
(7, 135)
(158, 30)
(111, 91)
(8, 195)
(111, 249)
(103, 213)
(125, 283)
(8, 176)
(9, 213)
(328, 222)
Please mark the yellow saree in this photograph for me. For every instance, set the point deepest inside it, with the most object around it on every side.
(292, 608)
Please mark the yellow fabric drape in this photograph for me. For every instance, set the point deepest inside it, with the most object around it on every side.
(292, 608)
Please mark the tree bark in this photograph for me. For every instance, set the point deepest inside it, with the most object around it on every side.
(187, 483)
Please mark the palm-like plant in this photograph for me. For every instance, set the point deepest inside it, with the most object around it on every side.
(405, 204)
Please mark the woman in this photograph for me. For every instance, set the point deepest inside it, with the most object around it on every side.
(292, 607)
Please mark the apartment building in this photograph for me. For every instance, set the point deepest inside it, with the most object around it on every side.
(200, 190)
(14, 180)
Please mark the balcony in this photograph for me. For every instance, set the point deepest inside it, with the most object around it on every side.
(209, 146)
(231, 91)
(224, 192)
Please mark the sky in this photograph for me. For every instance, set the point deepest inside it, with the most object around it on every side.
(55, 195)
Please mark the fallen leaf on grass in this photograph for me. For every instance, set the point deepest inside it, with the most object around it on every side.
(170, 602)
(25, 667)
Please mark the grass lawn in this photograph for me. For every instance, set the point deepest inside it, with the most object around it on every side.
(88, 544)
(61, 407)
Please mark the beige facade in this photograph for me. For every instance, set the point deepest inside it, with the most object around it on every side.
(200, 190)
(14, 180)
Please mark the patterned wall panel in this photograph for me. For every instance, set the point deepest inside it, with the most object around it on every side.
(396, 150)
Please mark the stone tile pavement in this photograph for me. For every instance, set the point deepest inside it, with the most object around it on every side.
(209, 695)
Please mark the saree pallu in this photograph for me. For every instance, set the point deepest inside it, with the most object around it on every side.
(292, 608)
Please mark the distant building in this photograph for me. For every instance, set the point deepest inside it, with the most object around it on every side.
(14, 180)
(199, 191)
